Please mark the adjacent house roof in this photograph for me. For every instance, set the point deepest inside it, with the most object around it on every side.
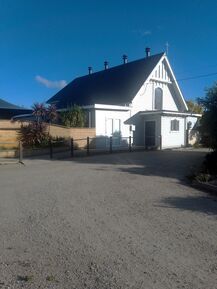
(8, 110)
(116, 86)
(6, 105)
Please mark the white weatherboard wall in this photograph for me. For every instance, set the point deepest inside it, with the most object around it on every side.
(103, 122)
(144, 100)
(160, 77)
(172, 139)
(168, 100)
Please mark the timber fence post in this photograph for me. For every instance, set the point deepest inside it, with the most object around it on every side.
(130, 143)
(88, 145)
(110, 144)
(20, 152)
(72, 147)
(51, 149)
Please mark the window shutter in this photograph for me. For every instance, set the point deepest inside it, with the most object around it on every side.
(177, 125)
(171, 125)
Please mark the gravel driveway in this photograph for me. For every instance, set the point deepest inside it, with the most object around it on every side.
(124, 221)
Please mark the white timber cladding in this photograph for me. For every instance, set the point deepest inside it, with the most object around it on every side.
(159, 78)
(108, 122)
(172, 139)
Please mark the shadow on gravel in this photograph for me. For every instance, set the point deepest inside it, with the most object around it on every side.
(171, 164)
(168, 163)
(207, 205)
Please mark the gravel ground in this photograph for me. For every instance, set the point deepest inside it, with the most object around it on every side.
(117, 221)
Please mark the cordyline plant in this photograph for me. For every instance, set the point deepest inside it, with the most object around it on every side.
(36, 132)
(39, 111)
(51, 113)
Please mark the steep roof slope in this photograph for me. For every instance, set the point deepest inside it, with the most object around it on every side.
(117, 85)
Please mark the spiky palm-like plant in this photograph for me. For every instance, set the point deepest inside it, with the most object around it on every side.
(34, 134)
(39, 111)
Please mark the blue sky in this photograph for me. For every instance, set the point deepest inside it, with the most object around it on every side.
(45, 44)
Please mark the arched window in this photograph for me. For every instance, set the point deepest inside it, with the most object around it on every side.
(158, 99)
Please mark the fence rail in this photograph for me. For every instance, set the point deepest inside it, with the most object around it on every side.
(14, 153)
(77, 147)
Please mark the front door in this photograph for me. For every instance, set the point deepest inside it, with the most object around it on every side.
(150, 133)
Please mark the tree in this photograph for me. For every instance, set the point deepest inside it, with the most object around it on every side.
(39, 111)
(51, 113)
(43, 113)
(73, 117)
(208, 124)
(194, 107)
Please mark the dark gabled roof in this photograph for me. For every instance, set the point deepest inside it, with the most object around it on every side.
(6, 105)
(116, 86)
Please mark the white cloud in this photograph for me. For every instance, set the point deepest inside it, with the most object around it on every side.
(49, 83)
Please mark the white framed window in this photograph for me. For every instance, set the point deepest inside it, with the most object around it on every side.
(113, 126)
(174, 125)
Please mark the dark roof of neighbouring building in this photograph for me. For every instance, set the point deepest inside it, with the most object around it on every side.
(116, 86)
(8, 110)
(7, 105)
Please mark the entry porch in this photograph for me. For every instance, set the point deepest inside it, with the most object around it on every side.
(162, 129)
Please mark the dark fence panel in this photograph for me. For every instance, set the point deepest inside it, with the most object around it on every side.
(59, 149)
(104, 144)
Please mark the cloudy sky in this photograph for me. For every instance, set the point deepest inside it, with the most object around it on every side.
(45, 44)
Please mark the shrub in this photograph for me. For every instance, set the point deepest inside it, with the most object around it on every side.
(60, 141)
(34, 134)
(73, 117)
(203, 177)
(210, 163)
(208, 123)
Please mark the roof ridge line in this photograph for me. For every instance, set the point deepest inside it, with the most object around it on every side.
(110, 68)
